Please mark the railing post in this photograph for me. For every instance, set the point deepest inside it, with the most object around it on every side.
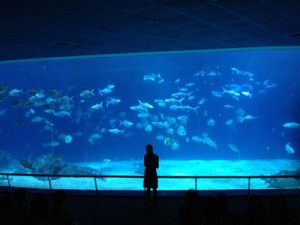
(96, 187)
(50, 185)
(7, 176)
(249, 178)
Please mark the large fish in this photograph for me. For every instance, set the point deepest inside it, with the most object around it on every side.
(291, 125)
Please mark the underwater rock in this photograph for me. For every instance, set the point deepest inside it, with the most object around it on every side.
(78, 170)
(5, 158)
(26, 164)
(53, 164)
(284, 183)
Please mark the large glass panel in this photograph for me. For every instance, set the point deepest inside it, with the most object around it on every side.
(207, 113)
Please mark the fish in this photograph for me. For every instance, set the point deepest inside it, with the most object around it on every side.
(143, 115)
(62, 114)
(178, 94)
(67, 138)
(87, 93)
(112, 101)
(104, 91)
(234, 148)
(94, 137)
(291, 125)
(210, 122)
(53, 93)
(247, 117)
(289, 148)
(146, 105)
(138, 108)
(96, 106)
(152, 76)
(217, 94)
(174, 101)
(148, 128)
(197, 139)
(37, 119)
(184, 107)
(247, 94)
(162, 125)
(228, 106)
(181, 131)
(15, 92)
(229, 122)
(231, 92)
(202, 101)
(116, 131)
(126, 123)
(209, 142)
(183, 118)
(170, 131)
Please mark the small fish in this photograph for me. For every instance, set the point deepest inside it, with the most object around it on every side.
(210, 122)
(68, 139)
(289, 148)
(37, 119)
(104, 91)
(15, 92)
(93, 137)
(234, 148)
(116, 131)
(228, 106)
(247, 94)
(112, 101)
(96, 106)
(152, 76)
(62, 114)
(126, 123)
(87, 93)
(146, 105)
(197, 139)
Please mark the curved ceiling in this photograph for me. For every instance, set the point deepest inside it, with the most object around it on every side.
(43, 28)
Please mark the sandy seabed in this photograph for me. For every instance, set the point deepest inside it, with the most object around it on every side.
(167, 168)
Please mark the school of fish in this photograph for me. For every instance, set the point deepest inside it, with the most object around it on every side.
(169, 116)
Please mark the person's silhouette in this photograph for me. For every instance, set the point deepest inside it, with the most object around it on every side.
(151, 163)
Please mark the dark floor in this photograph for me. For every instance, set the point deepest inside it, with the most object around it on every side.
(123, 210)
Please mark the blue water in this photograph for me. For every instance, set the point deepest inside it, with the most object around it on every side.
(270, 77)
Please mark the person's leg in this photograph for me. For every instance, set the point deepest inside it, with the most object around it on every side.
(148, 194)
(155, 195)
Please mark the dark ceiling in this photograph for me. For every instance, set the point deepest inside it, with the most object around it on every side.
(50, 28)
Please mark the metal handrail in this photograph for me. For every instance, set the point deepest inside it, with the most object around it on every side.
(95, 177)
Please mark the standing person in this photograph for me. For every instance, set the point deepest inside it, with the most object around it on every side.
(151, 163)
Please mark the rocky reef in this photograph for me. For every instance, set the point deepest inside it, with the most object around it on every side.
(284, 183)
(53, 164)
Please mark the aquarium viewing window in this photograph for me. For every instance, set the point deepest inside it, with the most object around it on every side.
(231, 112)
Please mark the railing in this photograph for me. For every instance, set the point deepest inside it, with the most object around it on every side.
(47, 180)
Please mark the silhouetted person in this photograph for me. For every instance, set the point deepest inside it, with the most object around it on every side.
(151, 163)
(191, 212)
(256, 213)
(277, 211)
(21, 206)
(61, 216)
(223, 214)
